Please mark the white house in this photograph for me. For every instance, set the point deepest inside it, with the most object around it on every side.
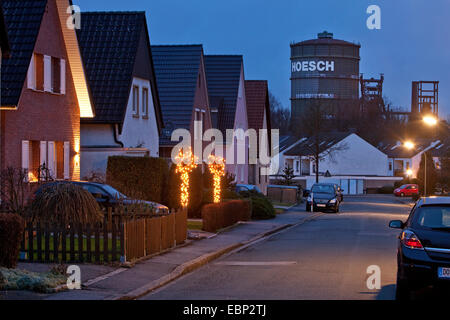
(346, 159)
(122, 83)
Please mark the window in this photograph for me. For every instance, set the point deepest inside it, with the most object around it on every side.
(46, 159)
(390, 166)
(145, 102)
(47, 74)
(135, 101)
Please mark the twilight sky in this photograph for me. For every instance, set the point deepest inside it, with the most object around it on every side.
(413, 43)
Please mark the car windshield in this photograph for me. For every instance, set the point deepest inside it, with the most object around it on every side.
(115, 193)
(434, 217)
(319, 188)
(403, 186)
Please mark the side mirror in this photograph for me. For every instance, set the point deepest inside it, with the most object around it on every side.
(396, 224)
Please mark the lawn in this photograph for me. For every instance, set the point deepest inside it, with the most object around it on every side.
(195, 224)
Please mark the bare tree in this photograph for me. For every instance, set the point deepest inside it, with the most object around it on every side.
(280, 116)
(14, 190)
(315, 124)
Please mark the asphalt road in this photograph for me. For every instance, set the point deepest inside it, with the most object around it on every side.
(326, 258)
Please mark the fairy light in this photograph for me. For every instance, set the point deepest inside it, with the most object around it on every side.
(217, 167)
(185, 164)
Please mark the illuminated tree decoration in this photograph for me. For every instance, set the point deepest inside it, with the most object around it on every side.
(185, 165)
(217, 167)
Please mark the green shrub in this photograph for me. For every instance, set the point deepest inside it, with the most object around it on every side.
(141, 178)
(262, 208)
(172, 197)
(11, 233)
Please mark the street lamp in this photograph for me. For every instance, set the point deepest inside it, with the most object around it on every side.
(430, 120)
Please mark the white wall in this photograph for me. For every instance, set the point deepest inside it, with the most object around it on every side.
(358, 158)
(97, 135)
(137, 130)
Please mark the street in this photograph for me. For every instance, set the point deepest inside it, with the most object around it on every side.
(326, 258)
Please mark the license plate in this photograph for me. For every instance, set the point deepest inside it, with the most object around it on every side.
(444, 273)
(321, 205)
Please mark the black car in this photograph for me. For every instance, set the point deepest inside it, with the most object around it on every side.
(424, 246)
(107, 196)
(323, 196)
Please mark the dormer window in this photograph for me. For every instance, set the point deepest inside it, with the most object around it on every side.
(47, 74)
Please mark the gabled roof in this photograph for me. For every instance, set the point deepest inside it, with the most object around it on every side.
(257, 95)
(223, 74)
(177, 70)
(327, 140)
(109, 43)
(23, 20)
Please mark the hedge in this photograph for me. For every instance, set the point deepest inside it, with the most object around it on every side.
(142, 178)
(11, 233)
(262, 208)
(220, 215)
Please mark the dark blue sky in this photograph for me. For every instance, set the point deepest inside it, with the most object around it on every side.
(413, 43)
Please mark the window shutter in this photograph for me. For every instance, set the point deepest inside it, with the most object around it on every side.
(25, 155)
(66, 160)
(47, 73)
(43, 153)
(31, 77)
(63, 76)
(52, 159)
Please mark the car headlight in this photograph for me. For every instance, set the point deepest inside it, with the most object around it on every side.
(333, 201)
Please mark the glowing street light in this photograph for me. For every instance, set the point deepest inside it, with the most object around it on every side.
(430, 120)
(409, 172)
(409, 145)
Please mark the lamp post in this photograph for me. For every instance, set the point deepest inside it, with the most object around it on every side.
(431, 121)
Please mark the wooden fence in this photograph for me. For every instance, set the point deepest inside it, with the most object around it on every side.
(117, 238)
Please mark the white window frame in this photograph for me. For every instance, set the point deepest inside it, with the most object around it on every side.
(145, 99)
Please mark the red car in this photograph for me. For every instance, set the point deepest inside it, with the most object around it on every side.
(407, 190)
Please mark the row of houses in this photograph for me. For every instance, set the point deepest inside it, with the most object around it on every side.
(70, 98)
(352, 162)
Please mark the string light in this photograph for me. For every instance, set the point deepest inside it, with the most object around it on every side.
(185, 165)
(217, 167)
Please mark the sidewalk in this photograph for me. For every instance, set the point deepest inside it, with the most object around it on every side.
(107, 283)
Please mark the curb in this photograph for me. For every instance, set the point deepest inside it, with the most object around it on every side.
(192, 265)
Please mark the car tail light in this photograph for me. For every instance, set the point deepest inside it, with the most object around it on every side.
(410, 240)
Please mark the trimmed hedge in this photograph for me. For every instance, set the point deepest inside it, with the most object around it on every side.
(220, 215)
(11, 233)
(142, 178)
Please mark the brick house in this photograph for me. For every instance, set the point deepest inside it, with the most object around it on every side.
(258, 113)
(116, 51)
(44, 91)
(183, 92)
(226, 88)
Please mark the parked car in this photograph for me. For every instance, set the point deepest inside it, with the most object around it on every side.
(323, 196)
(423, 255)
(407, 190)
(107, 196)
(247, 187)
